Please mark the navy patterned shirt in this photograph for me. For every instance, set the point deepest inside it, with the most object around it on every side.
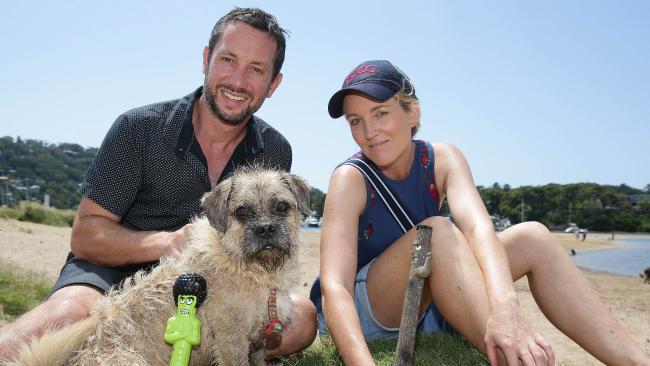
(150, 170)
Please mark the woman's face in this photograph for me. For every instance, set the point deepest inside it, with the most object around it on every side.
(381, 129)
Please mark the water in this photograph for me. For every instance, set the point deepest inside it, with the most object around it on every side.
(630, 260)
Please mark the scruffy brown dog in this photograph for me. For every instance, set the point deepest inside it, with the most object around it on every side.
(245, 245)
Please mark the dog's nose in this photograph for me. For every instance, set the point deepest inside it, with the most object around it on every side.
(265, 230)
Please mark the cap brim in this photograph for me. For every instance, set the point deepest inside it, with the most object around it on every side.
(373, 90)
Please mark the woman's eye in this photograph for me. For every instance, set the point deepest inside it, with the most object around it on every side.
(381, 114)
(354, 122)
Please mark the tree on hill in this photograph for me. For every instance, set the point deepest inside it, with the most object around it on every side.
(35, 168)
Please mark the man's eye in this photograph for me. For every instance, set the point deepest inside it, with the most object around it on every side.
(354, 122)
(381, 114)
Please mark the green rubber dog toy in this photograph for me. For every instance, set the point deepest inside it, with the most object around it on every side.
(184, 329)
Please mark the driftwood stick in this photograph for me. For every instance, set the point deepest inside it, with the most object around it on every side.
(420, 270)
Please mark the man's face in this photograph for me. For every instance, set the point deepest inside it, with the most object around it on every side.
(238, 74)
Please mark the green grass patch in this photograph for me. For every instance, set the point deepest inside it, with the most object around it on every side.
(39, 214)
(431, 349)
(19, 291)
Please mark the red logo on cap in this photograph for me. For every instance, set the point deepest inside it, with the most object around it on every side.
(362, 69)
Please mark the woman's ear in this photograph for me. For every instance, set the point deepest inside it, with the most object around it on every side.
(414, 113)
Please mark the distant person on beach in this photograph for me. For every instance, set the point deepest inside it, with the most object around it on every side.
(584, 234)
(578, 234)
(366, 255)
(155, 164)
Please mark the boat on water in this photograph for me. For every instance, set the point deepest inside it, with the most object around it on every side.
(312, 221)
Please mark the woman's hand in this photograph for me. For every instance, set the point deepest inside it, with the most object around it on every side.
(508, 331)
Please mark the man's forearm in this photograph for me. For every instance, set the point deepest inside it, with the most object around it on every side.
(104, 242)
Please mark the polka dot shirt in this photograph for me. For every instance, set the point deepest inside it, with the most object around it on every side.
(151, 171)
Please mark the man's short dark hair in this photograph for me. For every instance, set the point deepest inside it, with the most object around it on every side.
(258, 19)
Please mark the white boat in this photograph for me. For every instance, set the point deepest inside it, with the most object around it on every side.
(312, 221)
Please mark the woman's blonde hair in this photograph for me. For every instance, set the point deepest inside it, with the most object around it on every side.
(409, 103)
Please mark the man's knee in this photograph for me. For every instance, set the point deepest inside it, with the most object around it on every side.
(70, 304)
(304, 317)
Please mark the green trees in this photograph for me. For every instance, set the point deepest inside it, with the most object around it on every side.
(35, 168)
(596, 207)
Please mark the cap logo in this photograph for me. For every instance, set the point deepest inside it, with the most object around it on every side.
(362, 69)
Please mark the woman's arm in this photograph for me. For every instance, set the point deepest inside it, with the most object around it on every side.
(346, 199)
(469, 214)
(506, 328)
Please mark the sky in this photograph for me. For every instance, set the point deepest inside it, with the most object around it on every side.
(531, 92)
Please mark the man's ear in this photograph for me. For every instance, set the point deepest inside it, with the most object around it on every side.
(215, 205)
(206, 59)
(301, 192)
(274, 85)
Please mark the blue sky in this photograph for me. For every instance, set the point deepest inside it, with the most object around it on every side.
(531, 92)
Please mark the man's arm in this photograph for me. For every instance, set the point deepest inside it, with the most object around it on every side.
(98, 237)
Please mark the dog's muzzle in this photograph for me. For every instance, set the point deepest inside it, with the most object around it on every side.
(268, 244)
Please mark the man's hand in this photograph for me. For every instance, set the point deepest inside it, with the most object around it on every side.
(508, 331)
(175, 241)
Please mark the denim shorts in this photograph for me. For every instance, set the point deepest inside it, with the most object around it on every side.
(431, 321)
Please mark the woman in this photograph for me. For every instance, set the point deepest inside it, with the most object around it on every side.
(365, 257)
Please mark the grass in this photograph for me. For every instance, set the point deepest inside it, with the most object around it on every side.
(19, 291)
(33, 212)
(431, 349)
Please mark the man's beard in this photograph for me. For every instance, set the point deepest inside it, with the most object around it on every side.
(229, 119)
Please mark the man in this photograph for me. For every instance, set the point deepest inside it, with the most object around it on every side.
(156, 162)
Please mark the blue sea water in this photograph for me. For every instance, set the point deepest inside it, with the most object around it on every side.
(629, 260)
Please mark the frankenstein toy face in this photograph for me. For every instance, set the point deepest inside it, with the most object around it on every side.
(186, 304)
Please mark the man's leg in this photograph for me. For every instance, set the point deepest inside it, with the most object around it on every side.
(65, 306)
(301, 332)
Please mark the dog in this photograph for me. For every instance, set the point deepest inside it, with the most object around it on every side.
(245, 245)
(645, 275)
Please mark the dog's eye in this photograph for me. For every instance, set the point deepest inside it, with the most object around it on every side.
(242, 213)
(282, 208)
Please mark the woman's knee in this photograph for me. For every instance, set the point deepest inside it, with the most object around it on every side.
(533, 233)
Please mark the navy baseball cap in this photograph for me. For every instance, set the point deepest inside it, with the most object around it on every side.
(378, 79)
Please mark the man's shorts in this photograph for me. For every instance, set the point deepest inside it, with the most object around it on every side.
(431, 321)
(79, 272)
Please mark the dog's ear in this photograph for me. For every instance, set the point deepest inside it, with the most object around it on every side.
(215, 205)
(301, 192)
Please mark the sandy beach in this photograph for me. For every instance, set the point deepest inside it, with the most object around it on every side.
(42, 250)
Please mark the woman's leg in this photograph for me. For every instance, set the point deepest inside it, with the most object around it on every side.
(565, 296)
(455, 279)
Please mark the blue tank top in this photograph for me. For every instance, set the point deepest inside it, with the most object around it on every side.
(417, 194)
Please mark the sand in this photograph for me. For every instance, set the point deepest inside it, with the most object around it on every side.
(42, 249)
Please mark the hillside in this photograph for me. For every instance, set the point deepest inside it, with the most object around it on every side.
(32, 169)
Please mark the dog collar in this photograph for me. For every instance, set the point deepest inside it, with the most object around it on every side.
(271, 334)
